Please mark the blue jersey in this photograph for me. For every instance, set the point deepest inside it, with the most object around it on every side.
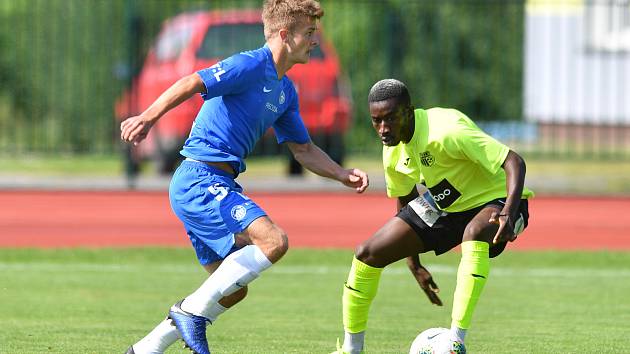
(243, 99)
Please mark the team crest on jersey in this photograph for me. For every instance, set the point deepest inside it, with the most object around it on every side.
(282, 97)
(427, 159)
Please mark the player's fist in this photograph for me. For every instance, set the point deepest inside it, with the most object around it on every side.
(135, 129)
(357, 179)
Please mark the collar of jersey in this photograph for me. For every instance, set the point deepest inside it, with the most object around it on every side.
(270, 69)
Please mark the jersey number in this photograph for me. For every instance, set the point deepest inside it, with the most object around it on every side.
(219, 191)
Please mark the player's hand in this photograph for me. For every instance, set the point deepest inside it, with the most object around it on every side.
(135, 129)
(506, 227)
(425, 280)
(356, 179)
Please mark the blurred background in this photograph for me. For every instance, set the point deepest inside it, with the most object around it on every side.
(549, 78)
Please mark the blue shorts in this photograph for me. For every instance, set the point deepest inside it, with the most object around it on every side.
(210, 204)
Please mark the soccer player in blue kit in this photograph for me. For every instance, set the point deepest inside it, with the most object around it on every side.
(244, 95)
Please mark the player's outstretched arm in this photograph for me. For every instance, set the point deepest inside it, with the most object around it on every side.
(515, 168)
(314, 159)
(419, 272)
(135, 129)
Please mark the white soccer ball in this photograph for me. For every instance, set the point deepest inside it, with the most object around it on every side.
(436, 341)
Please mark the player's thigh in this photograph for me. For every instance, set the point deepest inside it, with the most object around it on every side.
(479, 228)
(392, 242)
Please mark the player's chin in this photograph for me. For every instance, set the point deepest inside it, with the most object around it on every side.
(306, 58)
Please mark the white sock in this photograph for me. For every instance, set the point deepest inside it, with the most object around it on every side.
(353, 342)
(459, 333)
(160, 338)
(237, 270)
(214, 311)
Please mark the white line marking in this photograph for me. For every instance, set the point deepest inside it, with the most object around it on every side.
(545, 272)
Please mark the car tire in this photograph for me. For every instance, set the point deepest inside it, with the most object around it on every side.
(132, 165)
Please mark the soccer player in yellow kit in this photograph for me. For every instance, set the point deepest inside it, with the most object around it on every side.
(474, 196)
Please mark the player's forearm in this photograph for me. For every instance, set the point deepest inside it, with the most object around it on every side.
(515, 169)
(413, 262)
(179, 92)
(315, 160)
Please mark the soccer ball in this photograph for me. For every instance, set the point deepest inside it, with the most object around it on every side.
(436, 341)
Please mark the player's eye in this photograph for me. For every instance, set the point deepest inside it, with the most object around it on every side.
(389, 119)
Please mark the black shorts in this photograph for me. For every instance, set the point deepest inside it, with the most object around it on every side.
(447, 232)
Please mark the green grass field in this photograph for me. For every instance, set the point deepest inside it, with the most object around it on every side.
(100, 301)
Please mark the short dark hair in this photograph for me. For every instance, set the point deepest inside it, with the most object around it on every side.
(389, 88)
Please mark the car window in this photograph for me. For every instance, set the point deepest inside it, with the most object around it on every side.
(171, 43)
(225, 40)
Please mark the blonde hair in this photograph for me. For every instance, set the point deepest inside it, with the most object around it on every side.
(278, 14)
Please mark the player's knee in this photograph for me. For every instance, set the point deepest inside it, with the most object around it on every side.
(366, 253)
(278, 244)
(477, 232)
(369, 253)
(282, 242)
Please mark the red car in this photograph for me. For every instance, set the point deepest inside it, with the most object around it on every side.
(192, 41)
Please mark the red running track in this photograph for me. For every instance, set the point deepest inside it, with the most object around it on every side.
(119, 219)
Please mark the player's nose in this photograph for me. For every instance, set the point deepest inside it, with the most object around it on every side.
(383, 128)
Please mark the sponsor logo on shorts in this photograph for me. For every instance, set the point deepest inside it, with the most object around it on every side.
(444, 194)
(238, 212)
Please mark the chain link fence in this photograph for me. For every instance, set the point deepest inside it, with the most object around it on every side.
(550, 78)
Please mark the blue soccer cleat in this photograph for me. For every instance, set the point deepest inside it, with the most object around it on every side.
(191, 327)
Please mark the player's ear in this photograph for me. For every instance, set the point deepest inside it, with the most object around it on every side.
(411, 109)
(284, 34)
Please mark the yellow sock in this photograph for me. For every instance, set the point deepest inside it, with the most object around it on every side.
(472, 274)
(358, 293)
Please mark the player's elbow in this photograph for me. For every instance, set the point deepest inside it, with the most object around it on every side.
(514, 161)
(192, 84)
(300, 151)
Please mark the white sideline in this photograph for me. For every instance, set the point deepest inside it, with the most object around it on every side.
(307, 269)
